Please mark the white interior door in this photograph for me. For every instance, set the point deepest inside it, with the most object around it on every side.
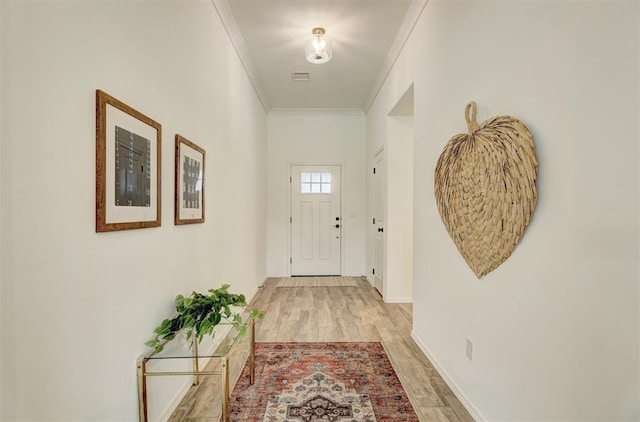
(380, 199)
(316, 222)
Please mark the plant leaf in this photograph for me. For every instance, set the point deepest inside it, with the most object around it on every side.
(199, 314)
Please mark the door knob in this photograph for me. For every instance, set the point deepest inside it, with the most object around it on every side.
(337, 218)
(380, 230)
(337, 226)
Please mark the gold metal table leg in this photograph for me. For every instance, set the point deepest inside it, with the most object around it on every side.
(142, 389)
(252, 353)
(225, 389)
(196, 361)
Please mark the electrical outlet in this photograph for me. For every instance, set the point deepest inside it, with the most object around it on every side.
(469, 349)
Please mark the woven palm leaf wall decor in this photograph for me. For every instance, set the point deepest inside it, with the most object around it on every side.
(485, 188)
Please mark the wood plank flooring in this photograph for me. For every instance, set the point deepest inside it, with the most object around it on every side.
(332, 314)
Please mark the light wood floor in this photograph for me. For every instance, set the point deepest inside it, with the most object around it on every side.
(357, 314)
(329, 312)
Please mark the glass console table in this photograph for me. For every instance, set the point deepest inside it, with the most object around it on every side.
(224, 352)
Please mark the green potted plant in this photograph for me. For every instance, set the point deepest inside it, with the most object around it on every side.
(200, 313)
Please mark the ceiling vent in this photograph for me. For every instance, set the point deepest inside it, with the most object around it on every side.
(301, 76)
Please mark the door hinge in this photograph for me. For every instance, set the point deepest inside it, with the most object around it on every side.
(290, 179)
(374, 221)
(374, 170)
(373, 271)
(290, 260)
(290, 220)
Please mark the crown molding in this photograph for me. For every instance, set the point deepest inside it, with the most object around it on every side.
(405, 30)
(228, 21)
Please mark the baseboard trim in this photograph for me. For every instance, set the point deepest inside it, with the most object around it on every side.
(398, 300)
(443, 374)
(253, 294)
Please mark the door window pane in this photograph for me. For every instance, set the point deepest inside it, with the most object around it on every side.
(315, 183)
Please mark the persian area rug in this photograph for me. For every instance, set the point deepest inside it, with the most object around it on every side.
(328, 382)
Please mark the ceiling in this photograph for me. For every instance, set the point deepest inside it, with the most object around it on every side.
(367, 36)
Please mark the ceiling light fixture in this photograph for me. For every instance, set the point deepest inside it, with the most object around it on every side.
(318, 49)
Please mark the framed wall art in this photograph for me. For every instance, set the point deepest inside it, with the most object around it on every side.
(189, 182)
(128, 151)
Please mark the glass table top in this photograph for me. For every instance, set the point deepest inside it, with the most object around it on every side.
(226, 335)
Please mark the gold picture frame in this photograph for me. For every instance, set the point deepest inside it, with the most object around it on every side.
(189, 182)
(128, 162)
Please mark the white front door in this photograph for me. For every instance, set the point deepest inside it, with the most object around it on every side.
(379, 194)
(316, 222)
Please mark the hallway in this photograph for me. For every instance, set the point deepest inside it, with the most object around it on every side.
(554, 331)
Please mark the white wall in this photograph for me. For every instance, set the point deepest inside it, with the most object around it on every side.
(555, 327)
(3, 305)
(84, 303)
(398, 269)
(316, 138)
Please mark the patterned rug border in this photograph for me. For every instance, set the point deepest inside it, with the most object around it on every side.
(381, 385)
